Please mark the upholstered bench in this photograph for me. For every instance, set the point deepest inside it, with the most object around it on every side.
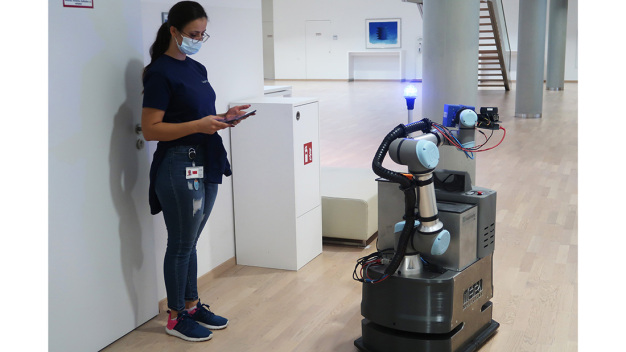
(349, 205)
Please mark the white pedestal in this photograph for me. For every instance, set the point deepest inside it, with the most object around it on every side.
(276, 177)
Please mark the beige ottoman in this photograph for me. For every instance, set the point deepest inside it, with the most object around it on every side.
(349, 205)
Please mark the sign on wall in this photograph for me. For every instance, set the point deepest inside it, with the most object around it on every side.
(88, 4)
(308, 153)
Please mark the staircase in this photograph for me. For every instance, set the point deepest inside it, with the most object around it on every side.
(493, 44)
(492, 70)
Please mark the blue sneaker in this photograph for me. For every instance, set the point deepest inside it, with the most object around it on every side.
(203, 316)
(186, 328)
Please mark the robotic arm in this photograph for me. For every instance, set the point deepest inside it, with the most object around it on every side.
(421, 155)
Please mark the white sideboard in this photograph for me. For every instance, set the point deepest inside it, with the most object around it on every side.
(376, 65)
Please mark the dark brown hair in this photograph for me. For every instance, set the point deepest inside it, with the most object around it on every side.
(179, 16)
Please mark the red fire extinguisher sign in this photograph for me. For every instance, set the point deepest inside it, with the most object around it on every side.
(308, 153)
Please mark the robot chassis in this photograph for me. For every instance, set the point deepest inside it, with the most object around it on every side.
(429, 288)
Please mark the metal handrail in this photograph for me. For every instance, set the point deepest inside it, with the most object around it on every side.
(503, 31)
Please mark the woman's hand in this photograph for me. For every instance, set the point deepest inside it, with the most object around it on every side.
(236, 111)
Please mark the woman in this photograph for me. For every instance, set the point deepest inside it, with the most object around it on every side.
(179, 112)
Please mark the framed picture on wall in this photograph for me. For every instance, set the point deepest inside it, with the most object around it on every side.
(383, 33)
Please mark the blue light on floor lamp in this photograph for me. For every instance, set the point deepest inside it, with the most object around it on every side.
(410, 93)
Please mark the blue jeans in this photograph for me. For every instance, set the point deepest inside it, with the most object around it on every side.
(187, 204)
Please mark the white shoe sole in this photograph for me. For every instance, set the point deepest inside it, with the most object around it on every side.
(212, 327)
(187, 338)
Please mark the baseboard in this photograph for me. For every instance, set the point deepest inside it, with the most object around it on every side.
(205, 279)
(350, 242)
(544, 81)
(378, 80)
(306, 79)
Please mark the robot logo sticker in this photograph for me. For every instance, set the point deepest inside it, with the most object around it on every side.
(308, 153)
(88, 4)
(472, 293)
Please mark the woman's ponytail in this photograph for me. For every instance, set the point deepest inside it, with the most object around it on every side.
(160, 45)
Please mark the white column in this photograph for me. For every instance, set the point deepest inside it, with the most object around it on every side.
(530, 58)
(557, 36)
(450, 66)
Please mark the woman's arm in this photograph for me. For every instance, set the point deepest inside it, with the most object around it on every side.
(154, 129)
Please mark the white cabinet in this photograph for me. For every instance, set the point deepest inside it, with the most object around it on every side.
(276, 175)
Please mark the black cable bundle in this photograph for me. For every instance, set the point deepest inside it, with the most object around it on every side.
(374, 259)
(406, 185)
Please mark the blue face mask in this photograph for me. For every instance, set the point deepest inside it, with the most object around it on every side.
(188, 47)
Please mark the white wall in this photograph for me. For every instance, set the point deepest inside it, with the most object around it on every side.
(233, 57)
(105, 249)
(348, 23)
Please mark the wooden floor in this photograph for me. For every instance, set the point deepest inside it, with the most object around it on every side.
(535, 172)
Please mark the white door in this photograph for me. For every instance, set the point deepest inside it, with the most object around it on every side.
(318, 49)
(102, 272)
(268, 50)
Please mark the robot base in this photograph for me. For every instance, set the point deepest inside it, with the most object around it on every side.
(381, 339)
(429, 312)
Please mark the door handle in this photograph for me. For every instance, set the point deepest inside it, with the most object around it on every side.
(140, 142)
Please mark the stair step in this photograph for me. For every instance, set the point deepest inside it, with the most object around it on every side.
(490, 71)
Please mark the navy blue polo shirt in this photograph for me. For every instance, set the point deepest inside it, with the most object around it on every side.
(181, 89)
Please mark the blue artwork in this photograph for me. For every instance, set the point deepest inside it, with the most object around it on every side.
(383, 33)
